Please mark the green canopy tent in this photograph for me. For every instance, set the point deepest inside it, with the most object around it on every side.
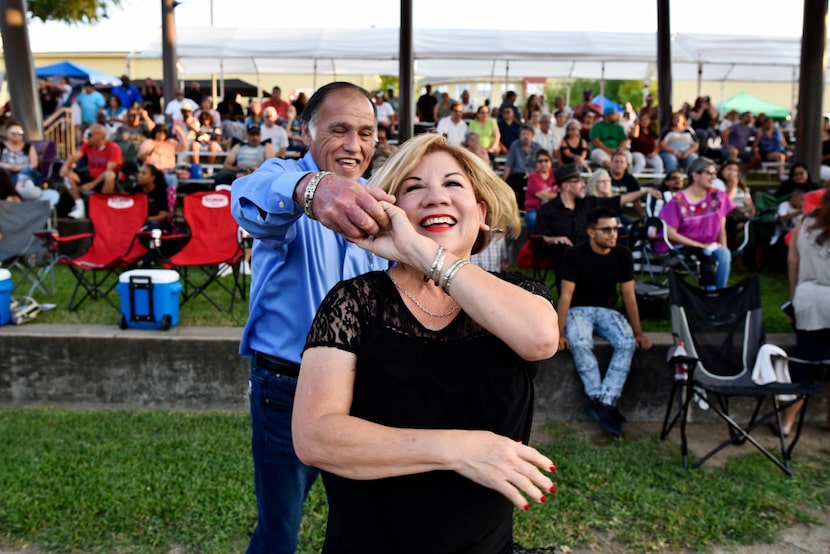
(743, 102)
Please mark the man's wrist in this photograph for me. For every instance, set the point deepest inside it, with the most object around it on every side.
(311, 188)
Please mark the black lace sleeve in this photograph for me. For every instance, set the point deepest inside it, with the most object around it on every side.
(529, 284)
(342, 316)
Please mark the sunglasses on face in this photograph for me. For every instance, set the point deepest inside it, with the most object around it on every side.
(607, 230)
(16, 132)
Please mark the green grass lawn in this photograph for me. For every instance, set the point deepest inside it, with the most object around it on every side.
(141, 481)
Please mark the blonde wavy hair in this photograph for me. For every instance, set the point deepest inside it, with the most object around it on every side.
(502, 212)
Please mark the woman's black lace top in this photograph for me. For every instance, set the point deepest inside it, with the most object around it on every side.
(459, 377)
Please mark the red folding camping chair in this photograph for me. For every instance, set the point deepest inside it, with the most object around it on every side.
(213, 240)
(116, 221)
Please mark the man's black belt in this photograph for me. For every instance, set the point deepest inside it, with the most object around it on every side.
(275, 365)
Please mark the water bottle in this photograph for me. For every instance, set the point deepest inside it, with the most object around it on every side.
(680, 371)
(156, 234)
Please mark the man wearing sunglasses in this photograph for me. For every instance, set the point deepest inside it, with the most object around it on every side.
(588, 302)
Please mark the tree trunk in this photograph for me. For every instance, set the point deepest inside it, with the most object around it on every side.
(20, 68)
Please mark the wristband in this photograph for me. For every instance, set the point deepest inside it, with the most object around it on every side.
(308, 197)
(452, 271)
(437, 266)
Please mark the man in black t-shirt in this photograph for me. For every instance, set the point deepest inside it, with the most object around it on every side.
(588, 301)
(562, 221)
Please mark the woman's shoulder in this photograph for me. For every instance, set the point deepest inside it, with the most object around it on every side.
(525, 282)
(363, 283)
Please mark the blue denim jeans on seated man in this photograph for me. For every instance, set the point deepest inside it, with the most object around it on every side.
(282, 481)
(582, 323)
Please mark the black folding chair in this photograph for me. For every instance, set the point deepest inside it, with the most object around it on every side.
(722, 332)
(21, 246)
(654, 256)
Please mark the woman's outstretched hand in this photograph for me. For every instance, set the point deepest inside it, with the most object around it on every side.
(504, 465)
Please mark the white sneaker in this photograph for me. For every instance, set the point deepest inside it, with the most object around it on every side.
(245, 268)
(78, 212)
(225, 270)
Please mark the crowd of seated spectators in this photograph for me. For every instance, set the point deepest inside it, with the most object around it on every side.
(184, 138)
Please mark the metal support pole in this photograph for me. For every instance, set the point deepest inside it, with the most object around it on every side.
(406, 99)
(813, 62)
(168, 49)
(664, 74)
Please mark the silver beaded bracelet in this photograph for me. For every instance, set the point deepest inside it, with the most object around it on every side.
(308, 197)
(452, 271)
(437, 266)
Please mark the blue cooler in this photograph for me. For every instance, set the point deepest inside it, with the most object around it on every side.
(5, 296)
(149, 299)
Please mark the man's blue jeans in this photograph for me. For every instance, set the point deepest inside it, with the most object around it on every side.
(582, 323)
(282, 481)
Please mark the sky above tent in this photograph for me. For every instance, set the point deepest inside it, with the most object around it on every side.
(138, 22)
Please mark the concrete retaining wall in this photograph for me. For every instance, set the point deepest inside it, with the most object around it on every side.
(199, 368)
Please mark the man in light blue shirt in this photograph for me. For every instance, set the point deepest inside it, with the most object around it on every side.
(91, 102)
(298, 212)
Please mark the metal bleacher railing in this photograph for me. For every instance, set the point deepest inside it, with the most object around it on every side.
(60, 129)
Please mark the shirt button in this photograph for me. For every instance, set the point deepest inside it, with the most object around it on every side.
(281, 204)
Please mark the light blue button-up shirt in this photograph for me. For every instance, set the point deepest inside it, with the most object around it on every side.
(295, 260)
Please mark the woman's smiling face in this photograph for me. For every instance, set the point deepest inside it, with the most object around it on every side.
(440, 201)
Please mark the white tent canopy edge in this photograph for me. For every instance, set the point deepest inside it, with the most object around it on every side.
(483, 54)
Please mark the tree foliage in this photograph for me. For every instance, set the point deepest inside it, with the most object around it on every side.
(71, 11)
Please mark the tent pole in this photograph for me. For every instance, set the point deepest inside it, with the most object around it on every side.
(602, 86)
(222, 76)
(213, 90)
(793, 94)
(258, 81)
(492, 80)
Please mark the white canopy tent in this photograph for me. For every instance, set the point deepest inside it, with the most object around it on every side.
(483, 54)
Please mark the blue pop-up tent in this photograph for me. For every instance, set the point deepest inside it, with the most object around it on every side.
(604, 102)
(79, 72)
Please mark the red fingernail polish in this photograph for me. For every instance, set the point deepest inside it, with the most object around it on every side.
(526, 507)
(553, 469)
(543, 499)
(553, 488)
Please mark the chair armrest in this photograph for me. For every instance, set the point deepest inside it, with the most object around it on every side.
(49, 235)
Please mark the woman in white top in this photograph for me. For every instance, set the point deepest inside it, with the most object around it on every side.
(678, 144)
(808, 265)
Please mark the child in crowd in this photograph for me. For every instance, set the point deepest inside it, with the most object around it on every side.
(789, 213)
